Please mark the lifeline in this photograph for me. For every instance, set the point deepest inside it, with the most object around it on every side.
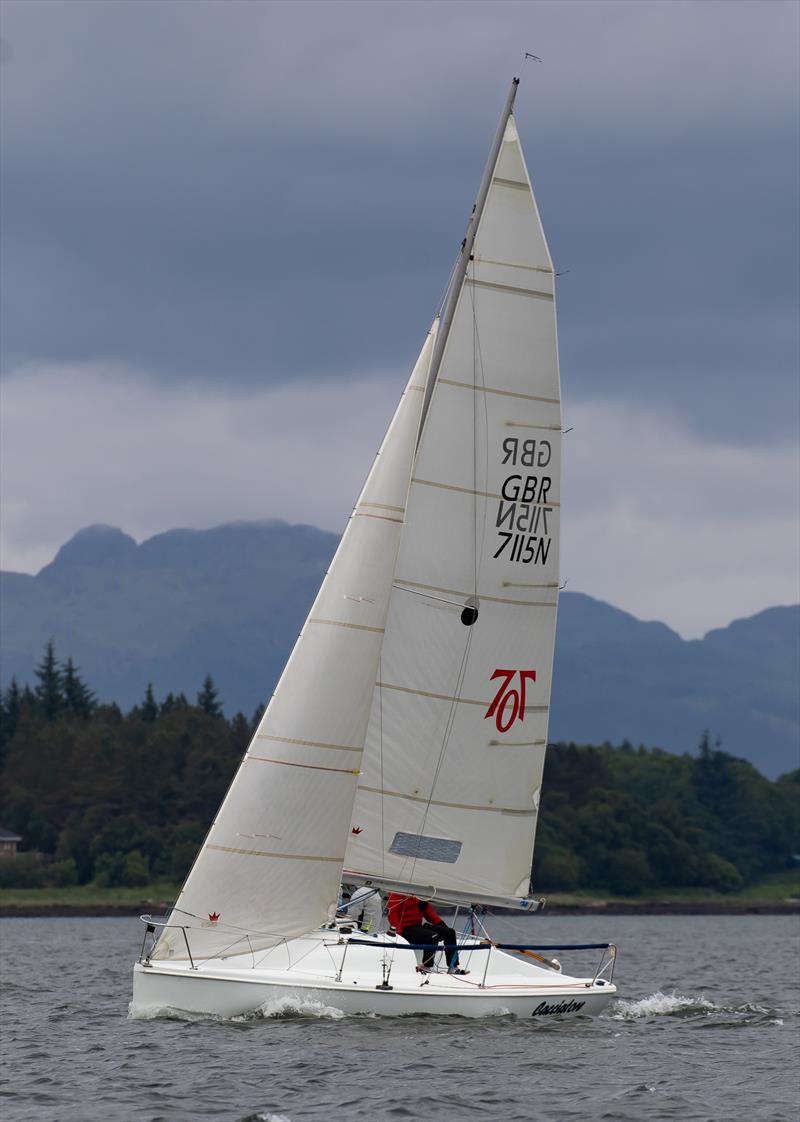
(545, 1010)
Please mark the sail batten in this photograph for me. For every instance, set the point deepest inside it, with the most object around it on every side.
(278, 856)
(419, 589)
(439, 802)
(310, 743)
(514, 289)
(504, 393)
(479, 494)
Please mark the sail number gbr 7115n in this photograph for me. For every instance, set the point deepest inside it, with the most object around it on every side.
(521, 522)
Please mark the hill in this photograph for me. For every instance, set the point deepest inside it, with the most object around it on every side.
(231, 600)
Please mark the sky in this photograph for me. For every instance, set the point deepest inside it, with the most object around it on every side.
(226, 227)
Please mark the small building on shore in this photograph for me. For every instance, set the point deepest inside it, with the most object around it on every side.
(8, 842)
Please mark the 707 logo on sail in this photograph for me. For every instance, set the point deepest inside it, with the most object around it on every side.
(509, 704)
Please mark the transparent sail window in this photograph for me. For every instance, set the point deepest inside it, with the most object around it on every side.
(426, 848)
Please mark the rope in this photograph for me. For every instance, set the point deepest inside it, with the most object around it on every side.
(451, 717)
(474, 438)
(380, 736)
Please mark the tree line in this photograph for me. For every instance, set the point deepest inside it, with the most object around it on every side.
(108, 797)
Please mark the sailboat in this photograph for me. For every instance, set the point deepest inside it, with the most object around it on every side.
(404, 744)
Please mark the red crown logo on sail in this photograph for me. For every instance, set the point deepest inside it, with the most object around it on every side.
(356, 829)
(213, 916)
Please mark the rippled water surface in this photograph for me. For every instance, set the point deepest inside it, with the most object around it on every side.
(706, 1028)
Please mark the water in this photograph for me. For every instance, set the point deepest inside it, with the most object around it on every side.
(706, 1029)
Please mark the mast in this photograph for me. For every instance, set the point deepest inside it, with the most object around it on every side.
(465, 253)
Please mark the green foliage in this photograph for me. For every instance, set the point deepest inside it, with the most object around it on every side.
(717, 873)
(92, 788)
(50, 689)
(628, 871)
(630, 821)
(23, 871)
(148, 710)
(186, 841)
(556, 869)
(118, 800)
(10, 705)
(78, 698)
(61, 873)
(208, 698)
(126, 869)
(108, 869)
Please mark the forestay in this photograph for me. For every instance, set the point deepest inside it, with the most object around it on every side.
(448, 796)
(270, 866)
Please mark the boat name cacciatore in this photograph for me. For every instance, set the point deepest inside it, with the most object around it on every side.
(545, 1010)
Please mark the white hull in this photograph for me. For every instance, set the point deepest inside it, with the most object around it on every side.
(322, 970)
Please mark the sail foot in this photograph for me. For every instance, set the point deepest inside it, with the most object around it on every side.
(443, 896)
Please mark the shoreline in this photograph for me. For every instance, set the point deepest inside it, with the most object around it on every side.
(599, 908)
(676, 908)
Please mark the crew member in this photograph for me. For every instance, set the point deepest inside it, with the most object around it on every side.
(366, 908)
(417, 922)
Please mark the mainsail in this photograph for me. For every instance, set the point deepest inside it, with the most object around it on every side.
(448, 796)
(270, 866)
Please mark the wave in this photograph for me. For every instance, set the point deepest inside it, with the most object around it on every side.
(661, 1005)
(294, 1007)
(166, 1013)
(677, 1005)
(266, 1116)
(279, 1007)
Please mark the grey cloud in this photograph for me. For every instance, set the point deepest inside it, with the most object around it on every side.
(665, 523)
(250, 193)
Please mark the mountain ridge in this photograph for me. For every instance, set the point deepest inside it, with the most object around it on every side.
(230, 601)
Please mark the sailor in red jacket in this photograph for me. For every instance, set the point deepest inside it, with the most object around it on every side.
(417, 922)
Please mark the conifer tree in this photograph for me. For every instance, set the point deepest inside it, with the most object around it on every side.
(5, 725)
(78, 698)
(704, 748)
(208, 698)
(13, 700)
(10, 706)
(50, 690)
(173, 702)
(149, 709)
(240, 731)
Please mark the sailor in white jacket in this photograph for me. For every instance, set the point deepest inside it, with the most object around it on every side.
(365, 908)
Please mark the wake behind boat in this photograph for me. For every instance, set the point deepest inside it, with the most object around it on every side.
(404, 745)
